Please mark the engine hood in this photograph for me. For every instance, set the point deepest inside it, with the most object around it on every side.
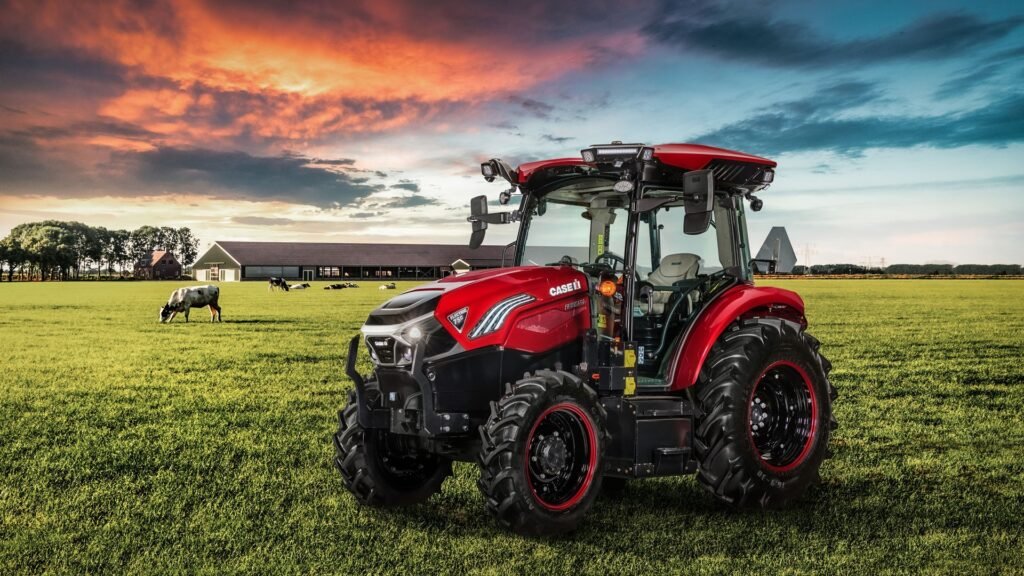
(478, 307)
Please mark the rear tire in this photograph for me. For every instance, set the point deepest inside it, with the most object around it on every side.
(541, 454)
(767, 405)
(379, 469)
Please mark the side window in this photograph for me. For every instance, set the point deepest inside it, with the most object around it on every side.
(674, 241)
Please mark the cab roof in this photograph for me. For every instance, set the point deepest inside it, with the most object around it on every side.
(681, 156)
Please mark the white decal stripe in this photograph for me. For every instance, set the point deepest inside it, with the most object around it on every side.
(487, 317)
(511, 305)
(496, 315)
(484, 327)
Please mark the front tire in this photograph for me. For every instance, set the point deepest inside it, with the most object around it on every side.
(380, 468)
(541, 454)
(767, 405)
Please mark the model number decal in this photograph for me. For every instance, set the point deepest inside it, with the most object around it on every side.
(565, 288)
(575, 304)
(458, 318)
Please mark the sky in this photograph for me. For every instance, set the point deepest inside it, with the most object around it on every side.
(898, 126)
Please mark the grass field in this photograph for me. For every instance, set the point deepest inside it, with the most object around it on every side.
(126, 445)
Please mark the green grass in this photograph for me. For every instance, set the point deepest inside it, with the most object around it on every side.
(126, 445)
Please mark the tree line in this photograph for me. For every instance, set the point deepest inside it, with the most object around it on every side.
(58, 250)
(914, 269)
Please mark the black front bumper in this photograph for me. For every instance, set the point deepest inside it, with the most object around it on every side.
(402, 399)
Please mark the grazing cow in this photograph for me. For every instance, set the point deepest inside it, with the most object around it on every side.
(278, 283)
(388, 286)
(302, 286)
(184, 299)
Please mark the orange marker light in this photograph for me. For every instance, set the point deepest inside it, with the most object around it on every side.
(607, 288)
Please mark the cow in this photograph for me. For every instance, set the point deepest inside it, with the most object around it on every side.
(184, 299)
(351, 285)
(388, 286)
(335, 286)
(279, 283)
(302, 286)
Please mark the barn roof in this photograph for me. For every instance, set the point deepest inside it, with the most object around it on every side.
(350, 254)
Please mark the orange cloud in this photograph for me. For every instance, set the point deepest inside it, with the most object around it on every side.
(310, 67)
(122, 97)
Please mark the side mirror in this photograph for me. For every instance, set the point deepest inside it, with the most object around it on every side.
(477, 209)
(699, 201)
(479, 217)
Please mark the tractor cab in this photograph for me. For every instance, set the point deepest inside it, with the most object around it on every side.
(655, 240)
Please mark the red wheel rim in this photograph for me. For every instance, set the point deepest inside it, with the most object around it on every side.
(560, 459)
(782, 416)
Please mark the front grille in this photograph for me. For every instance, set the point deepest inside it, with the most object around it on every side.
(382, 349)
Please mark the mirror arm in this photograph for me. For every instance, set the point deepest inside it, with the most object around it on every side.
(495, 217)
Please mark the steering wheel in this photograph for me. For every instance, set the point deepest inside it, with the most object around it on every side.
(566, 260)
(615, 258)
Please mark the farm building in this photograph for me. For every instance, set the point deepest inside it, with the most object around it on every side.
(158, 265)
(229, 261)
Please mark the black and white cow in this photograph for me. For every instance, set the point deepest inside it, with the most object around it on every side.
(302, 286)
(279, 283)
(184, 299)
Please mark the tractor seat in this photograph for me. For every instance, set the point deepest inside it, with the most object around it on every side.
(673, 268)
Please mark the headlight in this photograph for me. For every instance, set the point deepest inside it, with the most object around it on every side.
(395, 345)
(404, 353)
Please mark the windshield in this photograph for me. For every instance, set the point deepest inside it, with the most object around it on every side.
(582, 233)
(586, 226)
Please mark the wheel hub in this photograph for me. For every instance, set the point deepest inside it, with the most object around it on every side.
(552, 454)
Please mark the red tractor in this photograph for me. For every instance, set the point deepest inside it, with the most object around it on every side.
(627, 341)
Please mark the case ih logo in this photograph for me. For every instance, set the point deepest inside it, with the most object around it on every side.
(458, 318)
(565, 288)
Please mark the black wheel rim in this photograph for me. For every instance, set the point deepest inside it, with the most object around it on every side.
(782, 417)
(560, 457)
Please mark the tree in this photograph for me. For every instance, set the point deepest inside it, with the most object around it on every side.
(92, 248)
(53, 249)
(117, 248)
(144, 240)
(169, 239)
(188, 246)
(988, 269)
(14, 254)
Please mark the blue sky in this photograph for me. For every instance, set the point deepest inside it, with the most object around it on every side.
(898, 127)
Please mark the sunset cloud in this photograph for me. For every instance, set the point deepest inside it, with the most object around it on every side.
(191, 69)
(369, 118)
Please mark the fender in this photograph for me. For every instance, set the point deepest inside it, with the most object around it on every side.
(740, 301)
